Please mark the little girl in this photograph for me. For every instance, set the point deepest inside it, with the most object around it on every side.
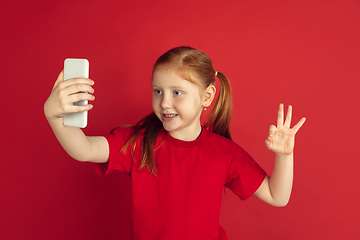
(178, 167)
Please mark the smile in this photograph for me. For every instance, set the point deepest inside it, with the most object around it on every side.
(170, 115)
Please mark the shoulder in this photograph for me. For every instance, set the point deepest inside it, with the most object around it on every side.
(217, 139)
(122, 134)
(218, 145)
(126, 129)
(224, 144)
(122, 131)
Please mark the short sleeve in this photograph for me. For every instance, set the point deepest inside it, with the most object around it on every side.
(118, 161)
(244, 174)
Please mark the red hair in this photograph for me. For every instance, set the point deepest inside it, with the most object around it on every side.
(196, 67)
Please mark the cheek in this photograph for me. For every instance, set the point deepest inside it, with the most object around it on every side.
(196, 101)
(154, 103)
(188, 104)
(182, 103)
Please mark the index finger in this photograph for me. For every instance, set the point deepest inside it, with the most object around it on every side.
(75, 81)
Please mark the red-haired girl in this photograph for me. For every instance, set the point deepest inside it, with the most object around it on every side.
(178, 167)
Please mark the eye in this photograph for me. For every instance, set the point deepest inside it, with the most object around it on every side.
(157, 91)
(177, 93)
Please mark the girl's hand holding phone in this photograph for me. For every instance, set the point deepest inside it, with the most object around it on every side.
(65, 93)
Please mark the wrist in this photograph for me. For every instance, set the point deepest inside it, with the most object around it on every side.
(284, 156)
(54, 121)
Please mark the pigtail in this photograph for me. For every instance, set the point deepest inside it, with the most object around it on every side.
(219, 119)
(152, 129)
(150, 126)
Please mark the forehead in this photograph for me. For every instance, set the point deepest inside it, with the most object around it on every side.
(167, 78)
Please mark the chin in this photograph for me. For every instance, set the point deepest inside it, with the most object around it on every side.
(168, 129)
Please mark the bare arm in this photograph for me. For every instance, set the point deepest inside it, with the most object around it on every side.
(72, 139)
(276, 190)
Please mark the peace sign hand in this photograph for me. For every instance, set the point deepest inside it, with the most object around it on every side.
(281, 139)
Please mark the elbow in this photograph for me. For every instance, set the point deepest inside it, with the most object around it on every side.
(89, 158)
(280, 203)
(84, 159)
(80, 158)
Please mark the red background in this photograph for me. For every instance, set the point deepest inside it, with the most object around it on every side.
(305, 53)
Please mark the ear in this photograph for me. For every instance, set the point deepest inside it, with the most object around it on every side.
(209, 95)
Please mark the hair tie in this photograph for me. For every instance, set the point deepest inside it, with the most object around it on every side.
(216, 73)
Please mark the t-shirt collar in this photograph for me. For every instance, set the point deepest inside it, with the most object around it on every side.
(180, 143)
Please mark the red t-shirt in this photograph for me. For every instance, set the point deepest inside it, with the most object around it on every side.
(183, 201)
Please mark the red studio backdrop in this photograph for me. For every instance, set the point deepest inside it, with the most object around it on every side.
(305, 53)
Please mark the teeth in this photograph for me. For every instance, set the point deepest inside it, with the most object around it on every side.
(170, 115)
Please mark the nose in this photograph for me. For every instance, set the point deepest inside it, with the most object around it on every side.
(165, 102)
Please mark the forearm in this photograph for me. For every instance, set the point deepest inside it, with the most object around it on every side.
(72, 139)
(281, 180)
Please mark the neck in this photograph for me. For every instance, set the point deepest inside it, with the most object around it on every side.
(189, 135)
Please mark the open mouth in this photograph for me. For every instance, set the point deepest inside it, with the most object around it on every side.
(170, 115)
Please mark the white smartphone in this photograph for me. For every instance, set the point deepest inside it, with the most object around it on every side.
(76, 68)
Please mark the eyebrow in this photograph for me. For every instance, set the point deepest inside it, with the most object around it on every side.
(172, 87)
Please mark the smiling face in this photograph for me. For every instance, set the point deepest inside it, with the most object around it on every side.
(178, 104)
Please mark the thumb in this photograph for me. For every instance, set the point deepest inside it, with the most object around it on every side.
(272, 129)
(59, 79)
